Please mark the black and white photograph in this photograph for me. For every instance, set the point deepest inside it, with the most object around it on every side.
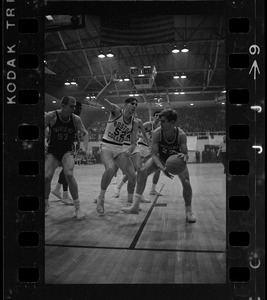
(135, 192)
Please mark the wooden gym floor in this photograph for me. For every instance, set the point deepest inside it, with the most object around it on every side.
(155, 246)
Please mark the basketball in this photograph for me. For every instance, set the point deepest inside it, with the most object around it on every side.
(175, 165)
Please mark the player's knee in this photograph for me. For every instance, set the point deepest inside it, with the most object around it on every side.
(68, 176)
(142, 173)
(111, 170)
(131, 175)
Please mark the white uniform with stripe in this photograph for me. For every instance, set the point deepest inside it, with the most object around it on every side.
(117, 130)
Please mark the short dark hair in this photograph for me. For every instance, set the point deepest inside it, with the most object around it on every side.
(130, 100)
(157, 112)
(65, 100)
(169, 114)
(78, 108)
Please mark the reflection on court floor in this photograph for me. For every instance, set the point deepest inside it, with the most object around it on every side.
(155, 246)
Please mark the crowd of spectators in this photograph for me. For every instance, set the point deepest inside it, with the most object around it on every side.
(191, 120)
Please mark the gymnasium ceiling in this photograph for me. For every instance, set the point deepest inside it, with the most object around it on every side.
(72, 45)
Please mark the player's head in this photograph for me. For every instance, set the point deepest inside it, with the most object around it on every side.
(78, 108)
(68, 103)
(167, 117)
(156, 115)
(130, 104)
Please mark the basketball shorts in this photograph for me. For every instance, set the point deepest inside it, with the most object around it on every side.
(126, 147)
(144, 151)
(114, 149)
(57, 153)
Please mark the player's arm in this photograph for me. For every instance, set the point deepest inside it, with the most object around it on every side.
(133, 140)
(100, 98)
(49, 118)
(183, 146)
(142, 129)
(155, 152)
(80, 127)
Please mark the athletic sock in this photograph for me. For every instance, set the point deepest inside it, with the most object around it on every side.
(188, 208)
(102, 194)
(76, 203)
(65, 194)
(136, 201)
(130, 198)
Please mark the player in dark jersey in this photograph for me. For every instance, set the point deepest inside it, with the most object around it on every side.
(63, 128)
(62, 180)
(166, 141)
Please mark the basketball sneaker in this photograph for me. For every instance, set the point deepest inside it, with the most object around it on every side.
(57, 194)
(117, 192)
(190, 217)
(100, 206)
(155, 193)
(79, 215)
(130, 210)
(66, 201)
(143, 200)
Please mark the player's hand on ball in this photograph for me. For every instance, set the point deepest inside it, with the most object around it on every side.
(183, 156)
(167, 173)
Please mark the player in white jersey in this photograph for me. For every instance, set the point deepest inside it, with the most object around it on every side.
(121, 124)
(144, 149)
(135, 157)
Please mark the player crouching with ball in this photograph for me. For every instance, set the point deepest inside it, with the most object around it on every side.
(169, 153)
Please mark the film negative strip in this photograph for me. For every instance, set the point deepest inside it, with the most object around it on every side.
(23, 116)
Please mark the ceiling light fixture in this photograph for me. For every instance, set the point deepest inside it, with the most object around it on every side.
(49, 17)
(185, 49)
(101, 54)
(175, 50)
(67, 83)
(176, 76)
(182, 92)
(73, 82)
(126, 79)
(110, 54)
(223, 92)
(176, 93)
(183, 76)
(191, 104)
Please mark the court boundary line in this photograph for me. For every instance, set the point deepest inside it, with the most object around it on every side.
(138, 249)
(142, 226)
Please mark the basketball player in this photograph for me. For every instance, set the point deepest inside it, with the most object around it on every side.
(61, 179)
(222, 153)
(121, 124)
(143, 148)
(63, 127)
(135, 158)
(166, 141)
